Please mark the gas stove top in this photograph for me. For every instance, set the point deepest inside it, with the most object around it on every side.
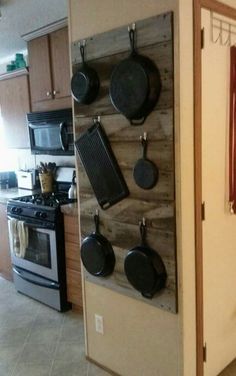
(42, 206)
(52, 200)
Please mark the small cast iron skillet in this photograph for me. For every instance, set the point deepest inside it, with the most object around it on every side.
(85, 82)
(135, 85)
(144, 268)
(145, 172)
(97, 254)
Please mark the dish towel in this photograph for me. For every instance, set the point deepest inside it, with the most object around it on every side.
(18, 236)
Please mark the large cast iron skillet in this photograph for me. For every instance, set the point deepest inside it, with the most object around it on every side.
(144, 268)
(135, 85)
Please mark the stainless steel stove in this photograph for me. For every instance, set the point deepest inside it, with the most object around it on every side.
(36, 234)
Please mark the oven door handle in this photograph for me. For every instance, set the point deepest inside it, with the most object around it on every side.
(50, 285)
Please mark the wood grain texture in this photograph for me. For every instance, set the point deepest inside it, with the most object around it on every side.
(60, 63)
(120, 223)
(5, 257)
(73, 266)
(159, 126)
(39, 69)
(15, 103)
(149, 31)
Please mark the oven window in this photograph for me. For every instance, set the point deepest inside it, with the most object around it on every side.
(38, 250)
(47, 138)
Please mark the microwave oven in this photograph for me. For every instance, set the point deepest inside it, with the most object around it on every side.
(51, 132)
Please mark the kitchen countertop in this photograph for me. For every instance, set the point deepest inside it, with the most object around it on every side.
(6, 194)
(70, 209)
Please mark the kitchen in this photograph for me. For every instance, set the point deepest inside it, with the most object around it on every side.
(130, 327)
(34, 337)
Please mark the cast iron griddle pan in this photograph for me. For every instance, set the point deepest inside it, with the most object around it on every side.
(101, 166)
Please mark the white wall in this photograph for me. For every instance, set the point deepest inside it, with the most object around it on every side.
(219, 235)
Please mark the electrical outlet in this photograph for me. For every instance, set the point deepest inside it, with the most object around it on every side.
(99, 324)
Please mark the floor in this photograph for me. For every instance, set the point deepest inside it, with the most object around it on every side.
(35, 340)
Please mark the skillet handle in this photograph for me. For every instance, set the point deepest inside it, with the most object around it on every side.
(138, 122)
(96, 221)
(147, 295)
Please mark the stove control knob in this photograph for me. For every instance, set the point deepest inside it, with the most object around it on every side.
(43, 215)
(37, 214)
(16, 210)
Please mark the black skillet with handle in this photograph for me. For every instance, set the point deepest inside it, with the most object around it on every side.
(145, 172)
(144, 267)
(85, 82)
(135, 85)
(97, 253)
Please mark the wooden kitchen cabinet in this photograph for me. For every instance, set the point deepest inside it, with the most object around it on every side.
(15, 103)
(73, 268)
(5, 258)
(49, 71)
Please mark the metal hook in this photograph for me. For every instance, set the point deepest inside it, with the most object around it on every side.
(228, 40)
(82, 43)
(132, 27)
(97, 119)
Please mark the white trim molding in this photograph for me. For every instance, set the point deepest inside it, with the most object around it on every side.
(45, 29)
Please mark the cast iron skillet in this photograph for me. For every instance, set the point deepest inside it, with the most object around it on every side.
(145, 171)
(135, 85)
(97, 254)
(85, 82)
(144, 268)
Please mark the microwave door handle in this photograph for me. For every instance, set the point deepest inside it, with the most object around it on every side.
(62, 127)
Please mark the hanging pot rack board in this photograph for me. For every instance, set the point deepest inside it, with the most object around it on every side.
(223, 30)
(120, 223)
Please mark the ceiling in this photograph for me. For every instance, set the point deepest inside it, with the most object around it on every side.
(23, 16)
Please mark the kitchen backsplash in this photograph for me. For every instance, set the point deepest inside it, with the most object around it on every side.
(25, 160)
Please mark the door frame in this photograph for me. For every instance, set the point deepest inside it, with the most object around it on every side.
(228, 11)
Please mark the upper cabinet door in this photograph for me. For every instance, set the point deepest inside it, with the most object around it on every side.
(40, 69)
(14, 103)
(60, 63)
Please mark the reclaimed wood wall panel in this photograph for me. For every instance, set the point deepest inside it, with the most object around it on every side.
(149, 31)
(120, 223)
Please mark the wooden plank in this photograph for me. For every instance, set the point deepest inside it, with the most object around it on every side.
(163, 190)
(118, 282)
(159, 126)
(126, 236)
(162, 55)
(150, 31)
(218, 7)
(160, 214)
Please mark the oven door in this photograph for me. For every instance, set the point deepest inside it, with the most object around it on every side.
(40, 254)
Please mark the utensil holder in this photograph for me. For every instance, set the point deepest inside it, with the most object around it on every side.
(46, 182)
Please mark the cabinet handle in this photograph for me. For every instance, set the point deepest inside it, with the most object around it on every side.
(49, 94)
(56, 92)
